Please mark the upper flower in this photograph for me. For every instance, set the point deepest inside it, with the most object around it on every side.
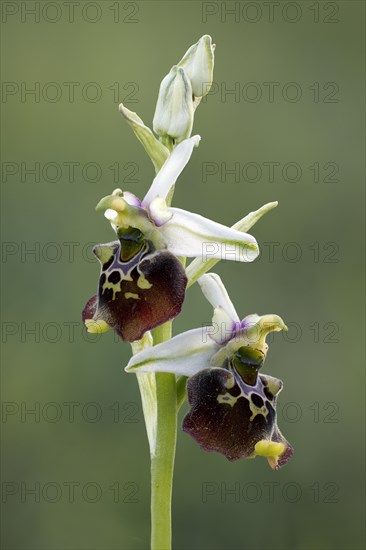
(233, 407)
(142, 283)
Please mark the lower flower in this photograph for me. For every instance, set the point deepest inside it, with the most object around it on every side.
(234, 418)
(232, 406)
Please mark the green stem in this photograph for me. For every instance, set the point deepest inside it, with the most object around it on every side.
(181, 390)
(162, 460)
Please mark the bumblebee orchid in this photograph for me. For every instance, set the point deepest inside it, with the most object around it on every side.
(142, 282)
(233, 407)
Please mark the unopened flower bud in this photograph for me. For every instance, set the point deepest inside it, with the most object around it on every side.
(173, 119)
(198, 64)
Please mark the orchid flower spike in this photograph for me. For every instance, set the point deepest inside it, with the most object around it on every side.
(233, 407)
(142, 282)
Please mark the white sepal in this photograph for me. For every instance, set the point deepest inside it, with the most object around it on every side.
(216, 293)
(171, 169)
(192, 235)
(185, 354)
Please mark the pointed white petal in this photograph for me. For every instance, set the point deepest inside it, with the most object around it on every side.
(185, 354)
(171, 169)
(216, 293)
(191, 235)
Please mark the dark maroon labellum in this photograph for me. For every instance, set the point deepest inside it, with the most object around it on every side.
(139, 288)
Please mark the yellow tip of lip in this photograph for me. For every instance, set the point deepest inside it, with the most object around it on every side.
(96, 327)
(269, 448)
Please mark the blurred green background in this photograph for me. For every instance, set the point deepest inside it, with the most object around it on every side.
(83, 452)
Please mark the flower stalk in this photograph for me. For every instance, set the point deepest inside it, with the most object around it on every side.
(162, 460)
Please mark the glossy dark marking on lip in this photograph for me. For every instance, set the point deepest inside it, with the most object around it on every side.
(114, 277)
(232, 422)
(257, 400)
(126, 305)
